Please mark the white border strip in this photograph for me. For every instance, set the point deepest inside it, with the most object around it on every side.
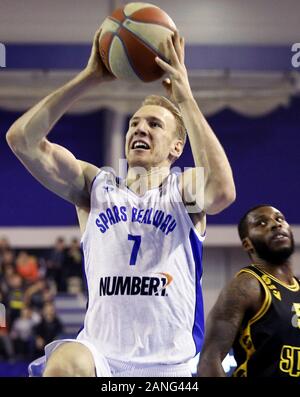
(42, 237)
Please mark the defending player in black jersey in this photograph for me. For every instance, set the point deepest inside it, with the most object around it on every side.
(258, 313)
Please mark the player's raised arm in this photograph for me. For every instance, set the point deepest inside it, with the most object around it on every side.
(243, 296)
(219, 189)
(53, 165)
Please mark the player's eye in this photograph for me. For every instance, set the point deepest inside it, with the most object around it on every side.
(154, 124)
(261, 223)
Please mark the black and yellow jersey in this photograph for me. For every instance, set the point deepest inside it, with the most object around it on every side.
(268, 345)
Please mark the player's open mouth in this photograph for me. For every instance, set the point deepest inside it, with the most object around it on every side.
(279, 237)
(141, 145)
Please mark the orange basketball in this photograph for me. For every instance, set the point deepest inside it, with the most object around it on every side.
(131, 37)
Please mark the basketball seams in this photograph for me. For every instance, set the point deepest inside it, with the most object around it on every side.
(149, 22)
(110, 36)
(132, 8)
(127, 55)
(116, 20)
(114, 34)
(119, 13)
(152, 21)
(118, 23)
(148, 45)
(136, 37)
(146, 22)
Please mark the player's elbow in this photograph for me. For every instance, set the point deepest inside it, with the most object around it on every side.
(228, 196)
(221, 200)
(13, 138)
(16, 140)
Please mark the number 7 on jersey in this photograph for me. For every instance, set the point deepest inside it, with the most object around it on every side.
(135, 248)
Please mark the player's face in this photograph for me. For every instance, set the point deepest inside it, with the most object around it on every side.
(270, 235)
(151, 139)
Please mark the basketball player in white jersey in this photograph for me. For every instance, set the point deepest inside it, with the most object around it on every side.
(142, 249)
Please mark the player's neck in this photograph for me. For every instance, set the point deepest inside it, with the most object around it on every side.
(141, 181)
(282, 271)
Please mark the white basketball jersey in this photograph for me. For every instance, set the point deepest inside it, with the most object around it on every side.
(143, 268)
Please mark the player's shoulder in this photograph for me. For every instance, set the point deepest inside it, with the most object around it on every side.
(242, 294)
(243, 286)
(246, 277)
(249, 275)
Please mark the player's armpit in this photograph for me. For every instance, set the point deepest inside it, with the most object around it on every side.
(90, 172)
(240, 299)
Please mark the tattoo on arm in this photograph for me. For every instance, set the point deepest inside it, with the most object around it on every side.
(241, 296)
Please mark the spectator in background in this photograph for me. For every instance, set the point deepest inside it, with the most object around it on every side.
(7, 269)
(22, 333)
(38, 294)
(7, 257)
(6, 347)
(4, 246)
(27, 267)
(56, 262)
(73, 268)
(15, 297)
(48, 329)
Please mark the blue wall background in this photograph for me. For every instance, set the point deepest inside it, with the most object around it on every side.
(263, 152)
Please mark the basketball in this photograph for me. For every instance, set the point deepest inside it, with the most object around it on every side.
(131, 37)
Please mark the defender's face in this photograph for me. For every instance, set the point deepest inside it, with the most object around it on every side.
(270, 233)
(150, 137)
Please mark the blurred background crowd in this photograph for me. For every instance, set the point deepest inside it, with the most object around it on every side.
(30, 281)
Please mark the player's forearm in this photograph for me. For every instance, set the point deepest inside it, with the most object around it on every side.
(29, 130)
(210, 367)
(207, 150)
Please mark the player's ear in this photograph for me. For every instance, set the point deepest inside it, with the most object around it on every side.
(177, 148)
(247, 245)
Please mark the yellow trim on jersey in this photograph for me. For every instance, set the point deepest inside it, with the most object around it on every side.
(267, 300)
(245, 339)
(294, 287)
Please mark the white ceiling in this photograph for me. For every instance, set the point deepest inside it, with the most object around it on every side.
(200, 21)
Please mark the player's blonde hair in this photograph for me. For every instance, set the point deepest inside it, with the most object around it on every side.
(166, 103)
